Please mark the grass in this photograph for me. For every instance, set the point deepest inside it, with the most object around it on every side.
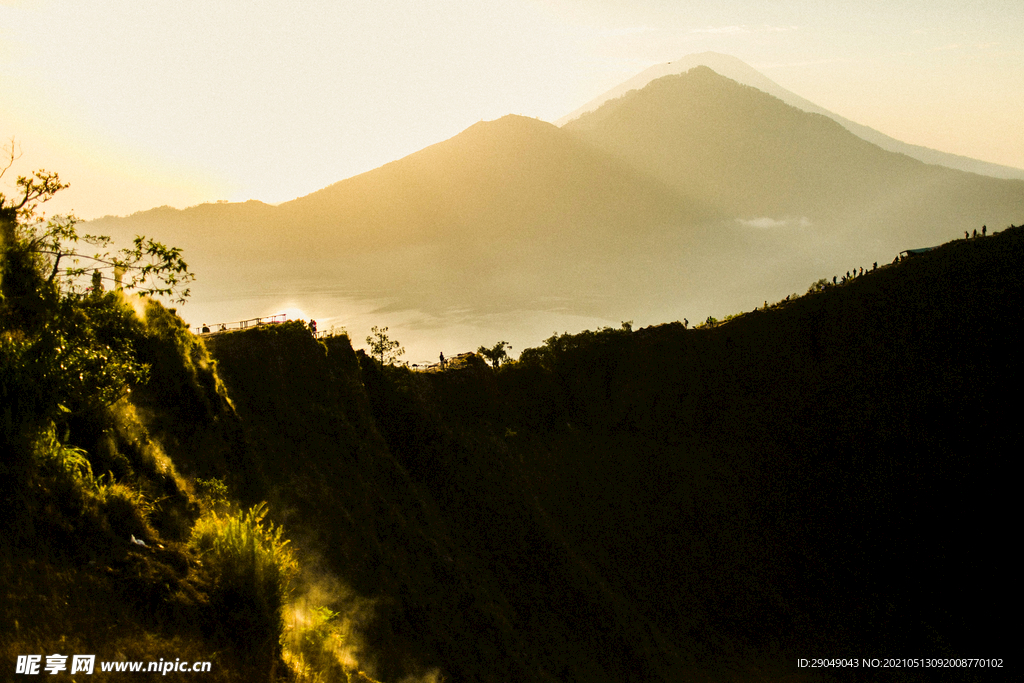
(254, 569)
(314, 643)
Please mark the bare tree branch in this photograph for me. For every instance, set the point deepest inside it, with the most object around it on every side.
(12, 156)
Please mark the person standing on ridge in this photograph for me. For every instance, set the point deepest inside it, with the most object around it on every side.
(442, 360)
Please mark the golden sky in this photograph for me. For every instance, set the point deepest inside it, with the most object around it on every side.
(146, 103)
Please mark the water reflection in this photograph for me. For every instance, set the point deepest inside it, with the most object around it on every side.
(424, 334)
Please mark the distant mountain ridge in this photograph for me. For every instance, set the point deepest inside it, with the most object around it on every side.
(750, 153)
(496, 212)
(693, 192)
(743, 73)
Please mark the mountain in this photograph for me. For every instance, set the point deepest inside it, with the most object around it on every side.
(753, 155)
(741, 72)
(695, 193)
(515, 181)
(505, 206)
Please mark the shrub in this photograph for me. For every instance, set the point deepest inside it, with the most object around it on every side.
(126, 510)
(55, 457)
(819, 286)
(253, 569)
(212, 491)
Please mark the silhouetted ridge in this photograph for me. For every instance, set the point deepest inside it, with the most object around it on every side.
(669, 503)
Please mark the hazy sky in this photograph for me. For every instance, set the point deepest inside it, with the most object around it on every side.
(145, 103)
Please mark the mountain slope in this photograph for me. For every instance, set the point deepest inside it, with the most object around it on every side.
(507, 202)
(749, 153)
(515, 180)
(693, 196)
(741, 72)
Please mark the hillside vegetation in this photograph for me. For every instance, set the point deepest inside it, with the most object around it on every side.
(825, 478)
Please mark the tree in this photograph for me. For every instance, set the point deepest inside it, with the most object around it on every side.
(29, 243)
(382, 347)
(497, 354)
(66, 345)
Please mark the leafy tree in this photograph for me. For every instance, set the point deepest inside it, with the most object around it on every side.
(497, 354)
(31, 244)
(384, 349)
(66, 347)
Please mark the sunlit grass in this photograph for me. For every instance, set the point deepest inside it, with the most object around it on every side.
(314, 644)
(254, 569)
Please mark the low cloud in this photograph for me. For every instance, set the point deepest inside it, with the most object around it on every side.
(766, 223)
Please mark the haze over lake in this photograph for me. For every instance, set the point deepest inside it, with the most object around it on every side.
(423, 334)
(693, 196)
